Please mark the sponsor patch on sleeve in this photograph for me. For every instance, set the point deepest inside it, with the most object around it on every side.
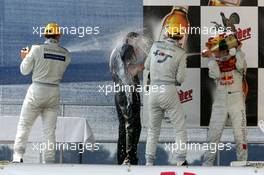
(54, 57)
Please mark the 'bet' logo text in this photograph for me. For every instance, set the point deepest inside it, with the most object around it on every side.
(162, 54)
(185, 96)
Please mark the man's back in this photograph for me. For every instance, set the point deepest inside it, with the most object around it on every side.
(167, 63)
(48, 62)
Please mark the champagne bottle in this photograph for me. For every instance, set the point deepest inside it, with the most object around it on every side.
(229, 42)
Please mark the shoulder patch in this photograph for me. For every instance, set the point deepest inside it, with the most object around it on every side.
(158, 41)
(36, 46)
(64, 48)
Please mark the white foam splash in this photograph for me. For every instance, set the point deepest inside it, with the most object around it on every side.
(102, 41)
(107, 42)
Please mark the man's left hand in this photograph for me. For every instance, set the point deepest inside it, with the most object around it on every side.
(239, 46)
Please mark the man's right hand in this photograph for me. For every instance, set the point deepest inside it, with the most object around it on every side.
(24, 52)
(206, 53)
(141, 67)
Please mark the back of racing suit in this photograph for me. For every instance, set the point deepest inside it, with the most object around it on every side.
(229, 101)
(127, 102)
(167, 65)
(47, 62)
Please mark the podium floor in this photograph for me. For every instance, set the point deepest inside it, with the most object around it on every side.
(80, 169)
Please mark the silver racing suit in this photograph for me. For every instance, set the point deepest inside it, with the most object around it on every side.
(47, 62)
(229, 101)
(167, 65)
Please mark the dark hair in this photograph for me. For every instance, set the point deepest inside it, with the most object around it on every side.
(222, 45)
(51, 36)
(131, 35)
(127, 52)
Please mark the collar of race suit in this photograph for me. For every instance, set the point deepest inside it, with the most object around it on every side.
(176, 42)
(51, 41)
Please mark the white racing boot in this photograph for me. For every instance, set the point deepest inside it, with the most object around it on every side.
(17, 158)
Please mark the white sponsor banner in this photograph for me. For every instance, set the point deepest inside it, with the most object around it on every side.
(260, 94)
(171, 2)
(189, 93)
(248, 25)
(260, 2)
(30, 169)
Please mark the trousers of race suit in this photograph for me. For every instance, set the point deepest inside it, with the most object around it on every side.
(226, 104)
(129, 127)
(41, 99)
(160, 103)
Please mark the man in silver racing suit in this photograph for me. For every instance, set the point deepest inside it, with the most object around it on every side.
(167, 65)
(47, 62)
